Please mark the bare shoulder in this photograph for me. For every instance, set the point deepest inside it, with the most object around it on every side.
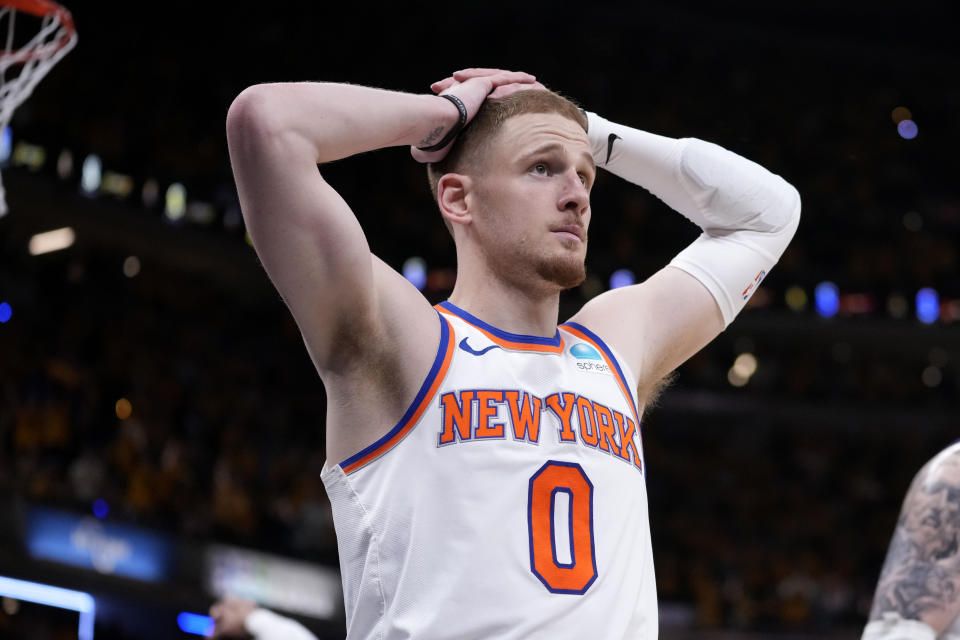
(943, 469)
(655, 325)
(380, 362)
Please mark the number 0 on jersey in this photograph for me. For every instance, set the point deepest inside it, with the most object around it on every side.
(546, 485)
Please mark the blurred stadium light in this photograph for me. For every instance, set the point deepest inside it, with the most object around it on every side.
(49, 241)
(51, 596)
(6, 144)
(117, 184)
(176, 202)
(415, 270)
(928, 305)
(827, 299)
(195, 624)
(622, 278)
(91, 174)
(273, 581)
(28, 155)
(65, 164)
(907, 129)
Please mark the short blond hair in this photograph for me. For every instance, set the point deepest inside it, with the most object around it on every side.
(473, 144)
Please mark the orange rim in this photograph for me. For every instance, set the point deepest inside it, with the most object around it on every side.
(41, 8)
(35, 7)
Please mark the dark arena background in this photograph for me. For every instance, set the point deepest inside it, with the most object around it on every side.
(161, 425)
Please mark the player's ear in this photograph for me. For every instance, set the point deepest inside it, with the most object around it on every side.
(454, 197)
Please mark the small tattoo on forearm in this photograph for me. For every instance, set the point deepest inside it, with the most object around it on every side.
(430, 139)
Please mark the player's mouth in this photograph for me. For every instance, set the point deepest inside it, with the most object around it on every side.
(573, 231)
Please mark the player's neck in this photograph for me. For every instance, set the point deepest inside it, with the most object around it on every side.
(508, 307)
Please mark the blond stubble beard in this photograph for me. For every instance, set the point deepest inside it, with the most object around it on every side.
(567, 273)
(523, 269)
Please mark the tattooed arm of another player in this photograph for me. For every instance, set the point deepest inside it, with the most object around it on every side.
(920, 579)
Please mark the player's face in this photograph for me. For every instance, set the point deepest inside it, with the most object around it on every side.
(534, 200)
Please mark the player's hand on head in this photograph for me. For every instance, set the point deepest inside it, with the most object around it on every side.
(229, 614)
(500, 88)
(472, 87)
(507, 89)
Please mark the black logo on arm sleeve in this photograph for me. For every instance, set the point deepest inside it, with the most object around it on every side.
(610, 140)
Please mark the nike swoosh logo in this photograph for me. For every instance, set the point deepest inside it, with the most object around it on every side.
(466, 347)
(610, 140)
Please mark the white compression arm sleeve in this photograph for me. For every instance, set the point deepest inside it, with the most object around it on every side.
(892, 627)
(748, 215)
(267, 625)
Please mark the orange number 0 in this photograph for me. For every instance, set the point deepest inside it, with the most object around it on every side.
(577, 575)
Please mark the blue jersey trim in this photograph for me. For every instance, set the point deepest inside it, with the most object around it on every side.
(616, 364)
(424, 388)
(504, 335)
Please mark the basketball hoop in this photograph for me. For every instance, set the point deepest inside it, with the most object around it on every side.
(33, 56)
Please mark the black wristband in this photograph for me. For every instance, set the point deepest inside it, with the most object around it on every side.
(457, 128)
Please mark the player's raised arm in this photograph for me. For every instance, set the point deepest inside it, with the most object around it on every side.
(918, 593)
(305, 234)
(748, 216)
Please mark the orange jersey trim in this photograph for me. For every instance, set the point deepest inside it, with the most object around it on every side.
(507, 340)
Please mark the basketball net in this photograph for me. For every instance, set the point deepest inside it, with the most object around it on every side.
(27, 64)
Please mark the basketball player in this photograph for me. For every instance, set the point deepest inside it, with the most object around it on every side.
(240, 617)
(918, 594)
(485, 465)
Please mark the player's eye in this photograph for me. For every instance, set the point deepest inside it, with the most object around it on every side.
(583, 179)
(540, 169)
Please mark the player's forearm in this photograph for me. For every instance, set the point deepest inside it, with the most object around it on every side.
(333, 121)
(713, 187)
(748, 215)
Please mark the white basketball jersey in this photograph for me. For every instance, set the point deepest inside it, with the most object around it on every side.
(508, 502)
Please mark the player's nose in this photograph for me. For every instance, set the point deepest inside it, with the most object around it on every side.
(574, 196)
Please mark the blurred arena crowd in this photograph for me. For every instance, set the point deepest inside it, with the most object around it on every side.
(190, 411)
